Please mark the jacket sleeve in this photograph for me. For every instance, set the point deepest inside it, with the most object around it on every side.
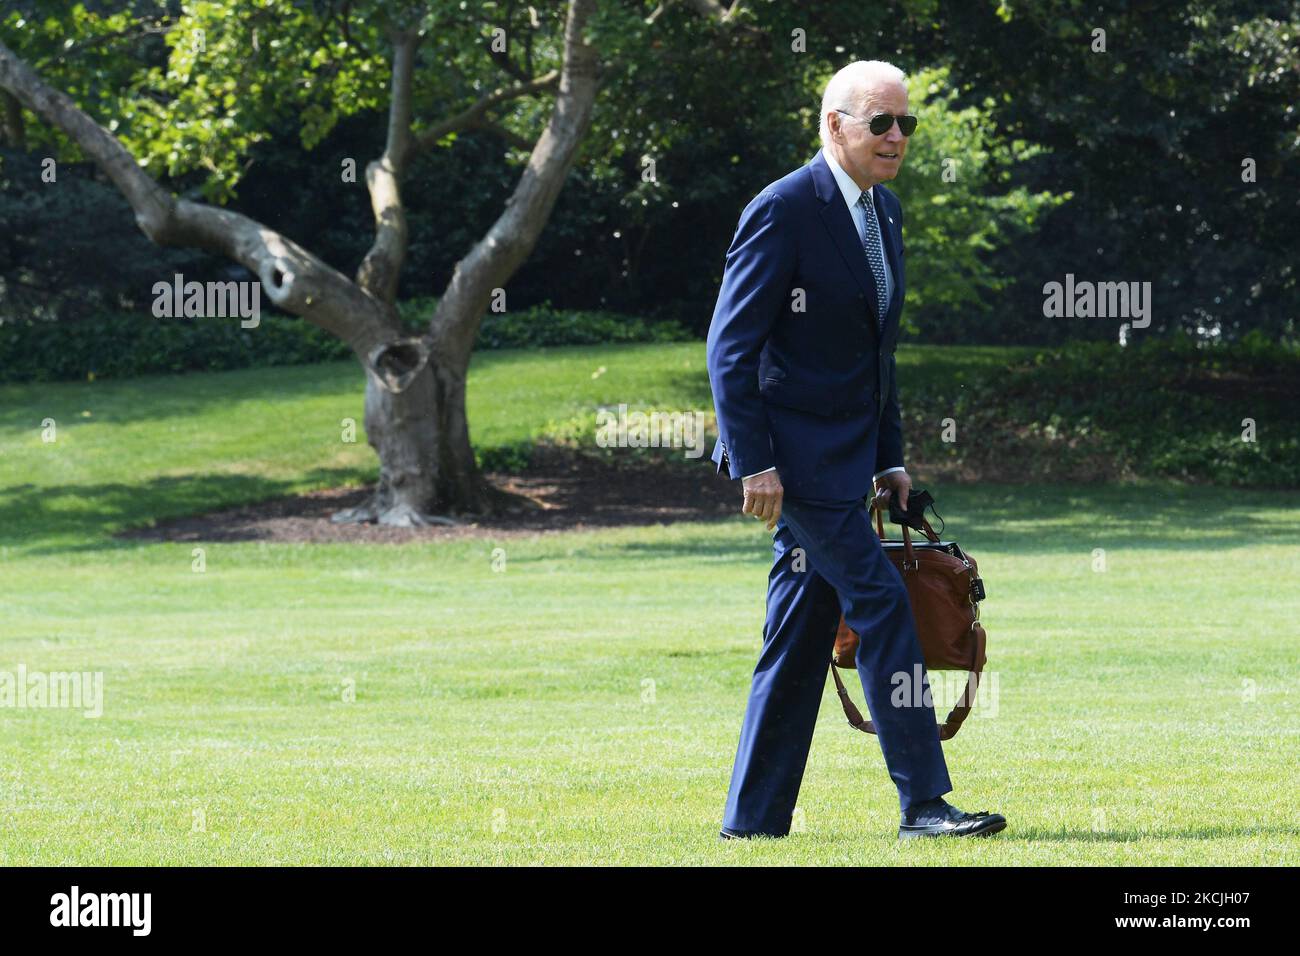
(889, 439)
(755, 286)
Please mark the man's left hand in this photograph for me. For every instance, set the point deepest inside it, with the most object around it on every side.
(894, 483)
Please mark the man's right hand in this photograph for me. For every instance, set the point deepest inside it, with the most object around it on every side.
(763, 494)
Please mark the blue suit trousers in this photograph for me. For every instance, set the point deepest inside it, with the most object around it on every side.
(828, 560)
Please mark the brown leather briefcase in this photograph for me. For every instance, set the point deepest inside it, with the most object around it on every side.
(944, 589)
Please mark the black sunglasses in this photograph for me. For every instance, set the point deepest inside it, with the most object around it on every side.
(881, 122)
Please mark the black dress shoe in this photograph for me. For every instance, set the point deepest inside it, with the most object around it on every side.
(940, 818)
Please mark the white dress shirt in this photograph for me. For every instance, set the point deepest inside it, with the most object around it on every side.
(850, 191)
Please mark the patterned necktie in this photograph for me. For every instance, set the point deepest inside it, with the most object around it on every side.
(875, 254)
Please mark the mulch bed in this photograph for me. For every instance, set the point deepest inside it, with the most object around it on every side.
(561, 491)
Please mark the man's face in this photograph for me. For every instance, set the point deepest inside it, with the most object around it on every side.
(875, 158)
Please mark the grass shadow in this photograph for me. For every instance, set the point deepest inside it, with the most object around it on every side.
(45, 519)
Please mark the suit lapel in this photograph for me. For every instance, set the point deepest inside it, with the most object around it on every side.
(838, 222)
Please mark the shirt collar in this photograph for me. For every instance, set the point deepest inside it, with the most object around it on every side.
(847, 186)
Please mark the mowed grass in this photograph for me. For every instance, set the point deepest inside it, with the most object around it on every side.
(424, 704)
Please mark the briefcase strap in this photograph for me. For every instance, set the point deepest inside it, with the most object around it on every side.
(960, 711)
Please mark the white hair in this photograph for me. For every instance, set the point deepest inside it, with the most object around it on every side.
(847, 89)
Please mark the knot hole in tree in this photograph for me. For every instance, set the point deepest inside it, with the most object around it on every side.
(397, 363)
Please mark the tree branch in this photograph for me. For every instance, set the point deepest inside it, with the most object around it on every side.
(292, 278)
(11, 122)
(496, 129)
(514, 234)
(155, 28)
(470, 116)
(380, 271)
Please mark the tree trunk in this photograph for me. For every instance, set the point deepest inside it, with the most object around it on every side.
(439, 360)
(400, 428)
(458, 480)
(427, 471)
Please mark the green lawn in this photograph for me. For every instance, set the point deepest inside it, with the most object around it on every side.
(410, 704)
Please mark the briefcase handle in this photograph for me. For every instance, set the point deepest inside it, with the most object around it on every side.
(909, 556)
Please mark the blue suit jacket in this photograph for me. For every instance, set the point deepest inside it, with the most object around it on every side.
(802, 379)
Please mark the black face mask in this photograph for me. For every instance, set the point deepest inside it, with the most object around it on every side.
(914, 516)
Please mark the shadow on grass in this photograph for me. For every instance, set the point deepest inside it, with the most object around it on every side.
(52, 519)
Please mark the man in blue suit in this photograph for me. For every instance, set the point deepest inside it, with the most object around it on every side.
(801, 362)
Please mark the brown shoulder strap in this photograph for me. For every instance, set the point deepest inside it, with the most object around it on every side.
(947, 729)
(850, 709)
(962, 710)
(956, 717)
